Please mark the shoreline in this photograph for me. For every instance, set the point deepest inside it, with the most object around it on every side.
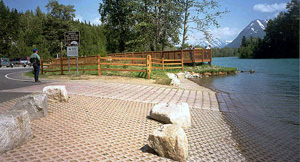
(244, 144)
(259, 136)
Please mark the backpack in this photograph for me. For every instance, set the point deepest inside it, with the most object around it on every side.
(32, 60)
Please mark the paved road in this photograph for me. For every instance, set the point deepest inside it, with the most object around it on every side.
(11, 78)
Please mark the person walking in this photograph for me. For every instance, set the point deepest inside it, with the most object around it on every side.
(35, 60)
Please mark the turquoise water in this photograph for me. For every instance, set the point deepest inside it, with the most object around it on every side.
(263, 107)
(274, 85)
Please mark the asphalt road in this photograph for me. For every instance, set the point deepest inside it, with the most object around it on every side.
(11, 78)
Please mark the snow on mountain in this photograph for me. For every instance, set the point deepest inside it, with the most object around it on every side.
(255, 29)
(261, 25)
(215, 43)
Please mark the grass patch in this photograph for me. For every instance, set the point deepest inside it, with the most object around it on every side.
(158, 75)
(204, 68)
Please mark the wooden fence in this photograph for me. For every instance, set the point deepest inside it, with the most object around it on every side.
(61, 65)
(189, 56)
(136, 60)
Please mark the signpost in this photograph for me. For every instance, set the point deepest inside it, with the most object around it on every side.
(72, 38)
(72, 51)
(72, 41)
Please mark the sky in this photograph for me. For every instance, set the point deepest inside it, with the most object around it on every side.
(241, 13)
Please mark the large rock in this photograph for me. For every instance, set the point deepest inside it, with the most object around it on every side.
(36, 105)
(170, 141)
(171, 75)
(172, 114)
(56, 93)
(189, 75)
(15, 129)
(175, 82)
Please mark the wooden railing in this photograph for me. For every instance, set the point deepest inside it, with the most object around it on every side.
(150, 60)
(195, 55)
(167, 63)
(61, 65)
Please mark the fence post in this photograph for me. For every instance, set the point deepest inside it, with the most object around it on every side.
(163, 63)
(181, 52)
(99, 66)
(42, 69)
(61, 59)
(194, 58)
(61, 66)
(210, 52)
(203, 53)
(148, 65)
(132, 57)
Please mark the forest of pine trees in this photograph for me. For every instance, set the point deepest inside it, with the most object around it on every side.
(281, 40)
(21, 32)
(126, 26)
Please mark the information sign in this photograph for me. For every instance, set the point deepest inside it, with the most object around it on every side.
(72, 38)
(72, 51)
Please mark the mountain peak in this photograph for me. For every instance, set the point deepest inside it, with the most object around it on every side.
(215, 43)
(254, 29)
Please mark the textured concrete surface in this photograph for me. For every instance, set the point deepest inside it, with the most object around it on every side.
(93, 128)
(194, 95)
(105, 121)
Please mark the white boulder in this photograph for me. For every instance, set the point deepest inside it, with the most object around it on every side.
(172, 114)
(170, 141)
(195, 75)
(175, 82)
(56, 93)
(188, 75)
(171, 75)
(36, 105)
(181, 75)
(15, 129)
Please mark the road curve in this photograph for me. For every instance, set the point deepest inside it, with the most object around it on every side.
(11, 78)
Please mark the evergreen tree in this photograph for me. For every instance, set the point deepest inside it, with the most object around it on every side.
(4, 29)
(244, 40)
(282, 35)
(21, 32)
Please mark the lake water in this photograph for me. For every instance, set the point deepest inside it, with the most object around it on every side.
(264, 106)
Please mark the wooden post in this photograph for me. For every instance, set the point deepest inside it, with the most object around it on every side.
(148, 66)
(99, 66)
(42, 67)
(181, 52)
(61, 59)
(194, 58)
(210, 52)
(132, 57)
(203, 53)
(163, 63)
